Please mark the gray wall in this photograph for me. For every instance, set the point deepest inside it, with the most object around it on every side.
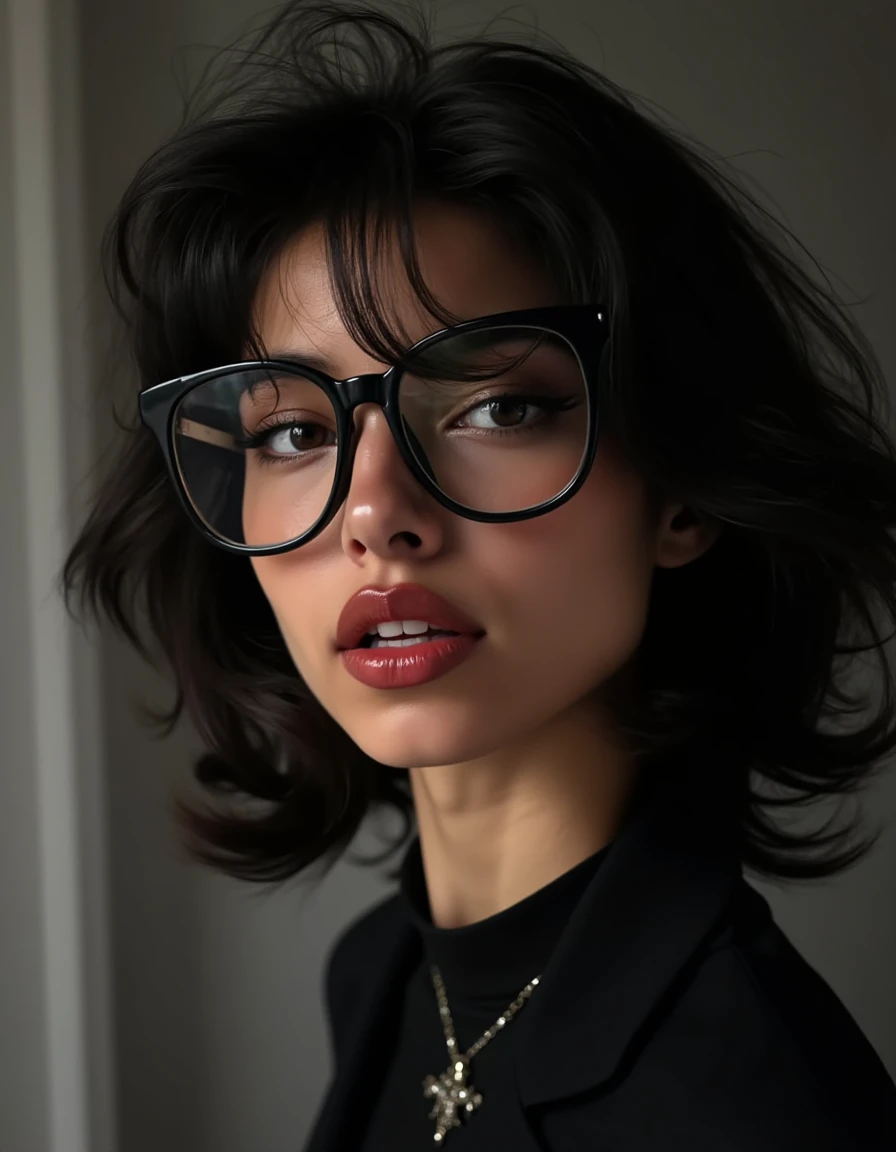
(20, 905)
(217, 990)
(54, 953)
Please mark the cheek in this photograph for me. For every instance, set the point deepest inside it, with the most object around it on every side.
(272, 510)
(584, 571)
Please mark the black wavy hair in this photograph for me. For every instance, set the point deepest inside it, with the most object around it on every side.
(738, 383)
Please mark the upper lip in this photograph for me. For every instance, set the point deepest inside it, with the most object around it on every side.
(372, 606)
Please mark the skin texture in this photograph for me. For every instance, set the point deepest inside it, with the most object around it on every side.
(516, 770)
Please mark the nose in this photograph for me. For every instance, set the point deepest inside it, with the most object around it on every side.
(379, 486)
(386, 507)
(376, 458)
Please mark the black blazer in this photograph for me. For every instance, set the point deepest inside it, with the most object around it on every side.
(673, 1016)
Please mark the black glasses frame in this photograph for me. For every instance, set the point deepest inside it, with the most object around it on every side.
(584, 326)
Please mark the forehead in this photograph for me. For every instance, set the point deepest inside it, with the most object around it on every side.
(467, 262)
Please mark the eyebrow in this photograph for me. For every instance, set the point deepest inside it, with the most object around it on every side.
(308, 359)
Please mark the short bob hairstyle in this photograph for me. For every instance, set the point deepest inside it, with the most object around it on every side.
(737, 384)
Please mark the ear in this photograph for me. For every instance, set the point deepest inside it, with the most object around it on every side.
(682, 536)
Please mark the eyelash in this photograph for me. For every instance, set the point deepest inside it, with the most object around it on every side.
(549, 404)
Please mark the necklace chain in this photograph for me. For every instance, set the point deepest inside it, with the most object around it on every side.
(453, 1095)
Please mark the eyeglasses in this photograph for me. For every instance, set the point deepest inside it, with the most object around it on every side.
(495, 417)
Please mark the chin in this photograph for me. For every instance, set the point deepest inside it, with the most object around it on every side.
(406, 740)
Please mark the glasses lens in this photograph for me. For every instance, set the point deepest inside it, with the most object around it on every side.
(498, 417)
(256, 450)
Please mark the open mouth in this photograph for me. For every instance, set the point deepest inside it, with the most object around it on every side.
(376, 641)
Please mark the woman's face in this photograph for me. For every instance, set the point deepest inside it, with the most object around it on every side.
(562, 597)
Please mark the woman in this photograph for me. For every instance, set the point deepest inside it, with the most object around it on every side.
(496, 463)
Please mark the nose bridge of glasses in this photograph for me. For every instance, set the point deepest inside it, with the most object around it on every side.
(358, 391)
(370, 388)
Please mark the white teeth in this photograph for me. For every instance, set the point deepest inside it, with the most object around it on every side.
(404, 633)
(406, 642)
(394, 628)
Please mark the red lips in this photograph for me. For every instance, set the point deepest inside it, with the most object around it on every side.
(372, 606)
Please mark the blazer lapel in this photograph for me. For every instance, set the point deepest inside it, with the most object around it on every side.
(660, 893)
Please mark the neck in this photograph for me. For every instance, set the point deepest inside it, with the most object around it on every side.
(496, 829)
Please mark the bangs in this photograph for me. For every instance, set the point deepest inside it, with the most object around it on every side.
(209, 245)
(373, 271)
(354, 141)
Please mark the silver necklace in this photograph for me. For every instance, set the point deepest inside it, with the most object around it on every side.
(454, 1096)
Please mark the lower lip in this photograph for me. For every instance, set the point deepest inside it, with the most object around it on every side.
(407, 667)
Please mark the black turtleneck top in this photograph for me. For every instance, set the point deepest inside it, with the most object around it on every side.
(484, 967)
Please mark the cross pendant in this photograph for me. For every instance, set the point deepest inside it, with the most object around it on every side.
(453, 1097)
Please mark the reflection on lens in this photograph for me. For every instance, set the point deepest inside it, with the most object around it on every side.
(496, 418)
(257, 453)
